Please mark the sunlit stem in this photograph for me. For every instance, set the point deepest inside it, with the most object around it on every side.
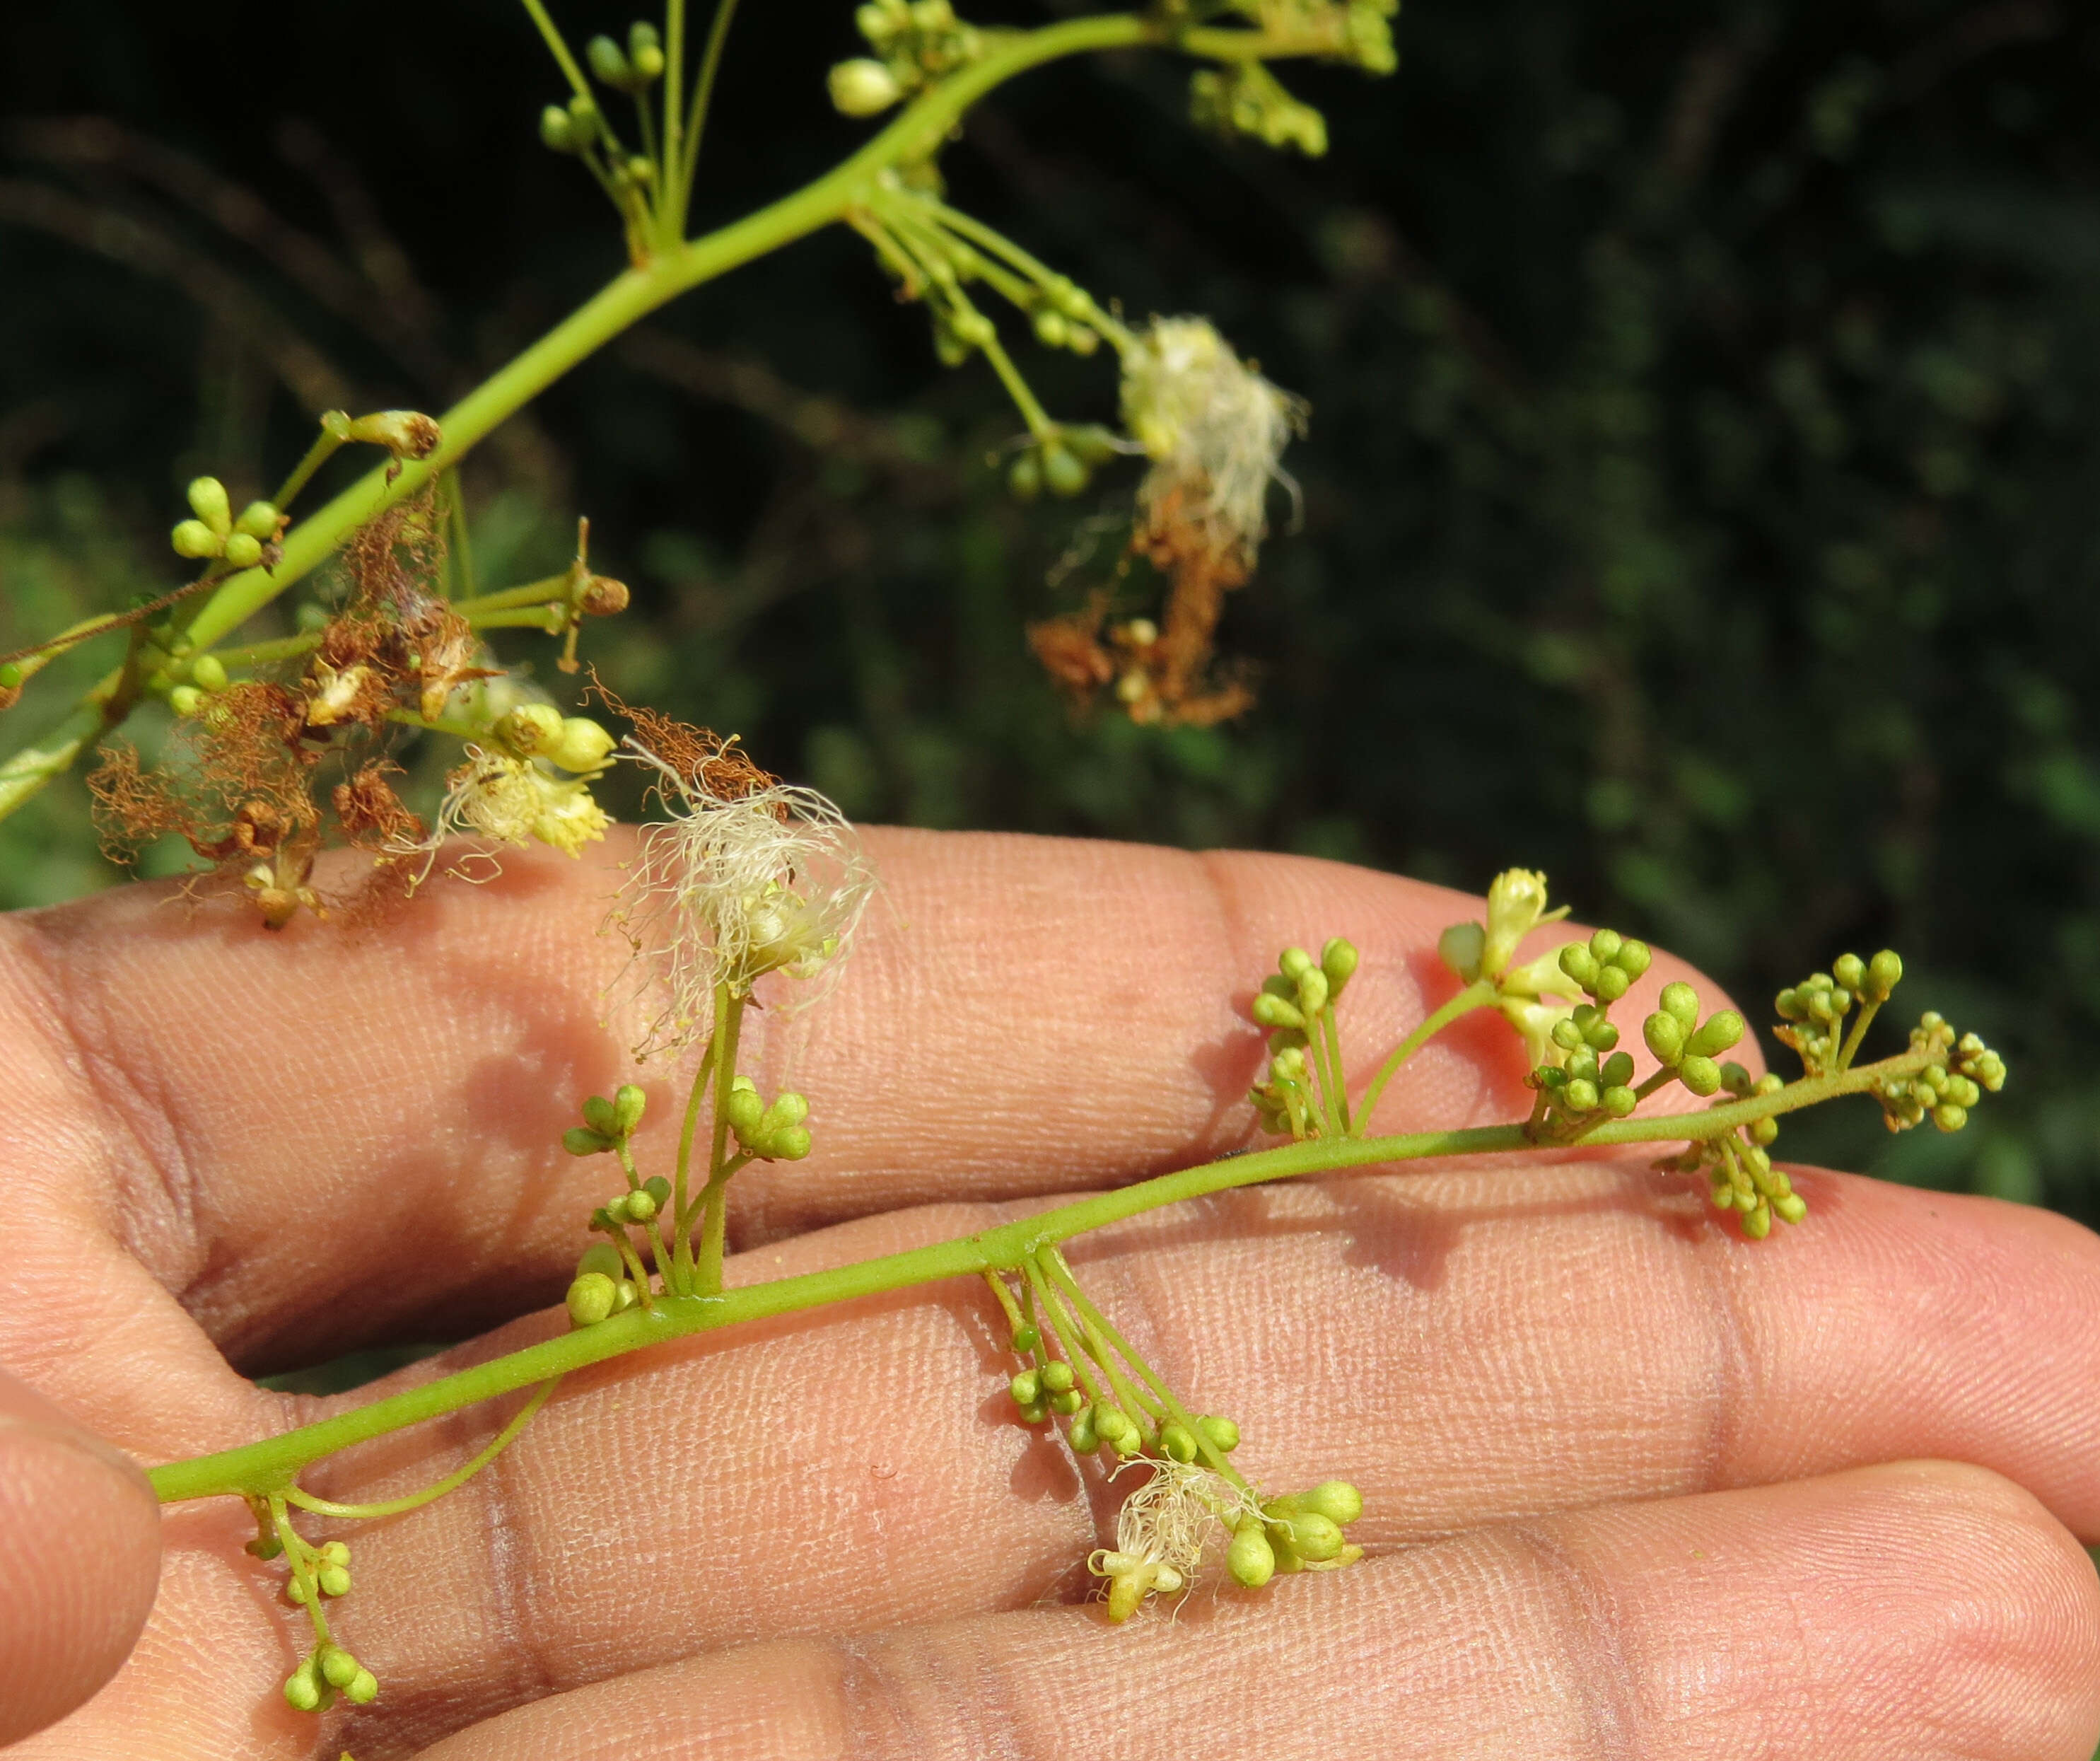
(714, 1201)
(682, 1246)
(1477, 995)
(321, 1506)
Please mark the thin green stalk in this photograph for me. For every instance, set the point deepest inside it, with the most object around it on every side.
(1477, 995)
(1331, 1034)
(681, 1221)
(323, 449)
(560, 49)
(321, 1506)
(714, 1202)
(259, 1466)
(704, 93)
(1032, 412)
(1867, 1012)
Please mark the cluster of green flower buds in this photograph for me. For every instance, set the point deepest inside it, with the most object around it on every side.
(207, 675)
(1812, 1013)
(604, 1285)
(633, 69)
(579, 127)
(1684, 1044)
(774, 1133)
(1246, 99)
(1064, 316)
(1606, 966)
(330, 1569)
(214, 531)
(1290, 1003)
(1046, 1388)
(1301, 1532)
(1593, 1079)
(1063, 461)
(328, 1671)
(607, 1124)
(1962, 1072)
(914, 41)
(570, 743)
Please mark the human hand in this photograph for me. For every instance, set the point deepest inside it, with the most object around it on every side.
(1632, 1484)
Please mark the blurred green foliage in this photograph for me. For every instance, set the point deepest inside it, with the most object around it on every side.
(1702, 501)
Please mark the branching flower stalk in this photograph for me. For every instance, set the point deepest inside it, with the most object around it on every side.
(773, 884)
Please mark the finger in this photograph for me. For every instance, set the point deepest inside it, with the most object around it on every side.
(79, 1555)
(1897, 1612)
(1466, 1351)
(320, 1134)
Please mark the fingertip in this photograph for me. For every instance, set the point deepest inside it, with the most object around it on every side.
(79, 1556)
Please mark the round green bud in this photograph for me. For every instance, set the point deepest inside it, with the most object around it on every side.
(1067, 1402)
(1634, 958)
(1701, 1075)
(258, 519)
(1948, 1116)
(1025, 1338)
(1312, 991)
(1081, 1434)
(243, 551)
(295, 1590)
(1763, 1131)
(1580, 964)
(556, 131)
(1026, 1387)
(1223, 1435)
(10, 675)
(362, 1689)
(1177, 1442)
(302, 1690)
(1680, 1001)
(1316, 1537)
(597, 1116)
(1791, 1206)
(1035, 1412)
(642, 35)
(1884, 973)
(591, 1298)
(333, 1580)
(1566, 1035)
(1052, 329)
(1023, 477)
(1580, 1094)
(1294, 963)
(208, 501)
(1605, 944)
(1722, 1029)
(609, 63)
(788, 1108)
(185, 699)
(1114, 1426)
(1251, 1559)
(1616, 1070)
(335, 1553)
(1461, 948)
(581, 745)
(627, 1103)
(1335, 1499)
(1064, 473)
(580, 1140)
(1757, 1220)
(641, 1207)
(208, 672)
(1850, 971)
(1057, 1375)
(1339, 960)
(627, 1297)
(862, 88)
(602, 1258)
(1611, 983)
(1272, 1011)
(338, 1667)
(659, 1188)
(743, 1109)
(1618, 1101)
(791, 1143)
(195, 540)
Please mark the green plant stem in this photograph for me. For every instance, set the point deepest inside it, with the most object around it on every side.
(321, 1506)
(1477, 995)
(714, 1202)
(1849, 1049)
(703, 92)
(681, 1221)
(551, 33)
(257, 1468)
(1332, 1037)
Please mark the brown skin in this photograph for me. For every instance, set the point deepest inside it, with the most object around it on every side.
(1635, 1487)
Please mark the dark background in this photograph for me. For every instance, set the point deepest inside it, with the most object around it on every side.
(1701, 501)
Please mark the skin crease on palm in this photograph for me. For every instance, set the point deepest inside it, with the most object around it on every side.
(1633, 1486)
